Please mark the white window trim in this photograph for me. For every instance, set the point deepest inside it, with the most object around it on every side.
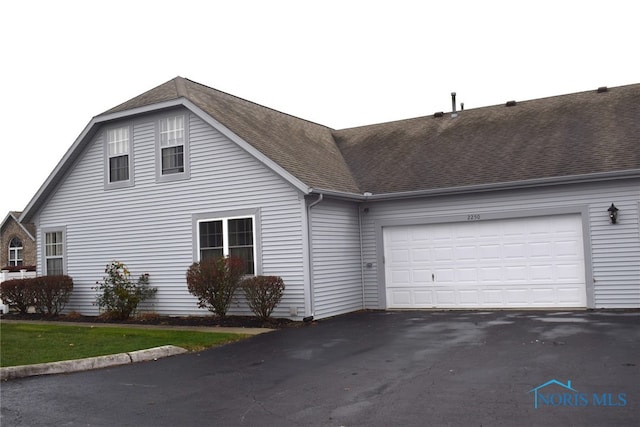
(14, 251)
(178, 176)
(124, 183)
(225, 217)
(43, 243)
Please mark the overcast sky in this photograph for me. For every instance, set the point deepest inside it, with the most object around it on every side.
(338, 63)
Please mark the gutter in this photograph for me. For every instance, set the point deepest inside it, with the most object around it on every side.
(479, 188)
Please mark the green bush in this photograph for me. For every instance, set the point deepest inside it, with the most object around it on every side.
(51, 293)
(17, 293)
(118, 296)
(263, 294)
(214, 281)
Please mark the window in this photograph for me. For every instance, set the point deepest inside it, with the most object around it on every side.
(15, 252)
(172, 149)
(172, 140)
(228, 237)
(118, 154)
(54, 253)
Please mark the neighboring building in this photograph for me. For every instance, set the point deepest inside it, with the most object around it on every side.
(497, 207)
(17, 244)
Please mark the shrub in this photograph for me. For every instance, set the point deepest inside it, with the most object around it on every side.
(118, 296)
(51, 293)
(17, 293)
(214, 281)
(263, 294)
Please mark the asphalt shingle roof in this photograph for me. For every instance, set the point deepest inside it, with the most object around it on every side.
(568, 135)
(582, 133)
(303, 148)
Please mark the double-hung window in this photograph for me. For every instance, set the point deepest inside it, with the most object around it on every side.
(173, 137)
(118, 148)
(54, 253)
(15, 252)
(228, 237)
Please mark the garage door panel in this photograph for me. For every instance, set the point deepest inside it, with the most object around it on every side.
(523, 262)
(445, 297)
(541, 273)
(492, 297)
(567, 295)
(566, 249)
(423, 298)
(517, 297)
(469, 275)
(490, 274)
(421, 277)
(567, 271)
(514, 251)
(489, 252)
(401, 278)
(400, 255)
(401, 298)
(469, 297)
(515, 274)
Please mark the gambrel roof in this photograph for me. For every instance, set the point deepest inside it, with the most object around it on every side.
(585, 133)
(586, 136)
(305, 149)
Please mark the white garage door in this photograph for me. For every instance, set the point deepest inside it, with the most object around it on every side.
(512, 263)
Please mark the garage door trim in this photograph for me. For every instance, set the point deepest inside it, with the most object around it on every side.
(473, 215)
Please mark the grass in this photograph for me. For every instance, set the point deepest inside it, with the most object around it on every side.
(26, 344)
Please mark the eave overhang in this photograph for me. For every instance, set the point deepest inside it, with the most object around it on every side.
(90, 130)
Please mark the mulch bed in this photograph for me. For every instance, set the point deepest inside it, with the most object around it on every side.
(154, 319)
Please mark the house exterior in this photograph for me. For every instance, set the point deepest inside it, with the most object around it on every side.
(497, 207)
(17, 243)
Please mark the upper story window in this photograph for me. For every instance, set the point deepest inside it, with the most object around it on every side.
(172, 144)
(118, 154)
(15, 252)
(173, 148)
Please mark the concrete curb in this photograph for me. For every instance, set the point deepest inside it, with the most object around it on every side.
(66, 366)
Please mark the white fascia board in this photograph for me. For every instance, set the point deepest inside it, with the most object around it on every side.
(512, 185)
(85, 135)
(74, 151)
(58, 171)
(259, 155)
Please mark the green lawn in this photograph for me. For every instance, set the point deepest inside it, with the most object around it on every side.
(26, 344)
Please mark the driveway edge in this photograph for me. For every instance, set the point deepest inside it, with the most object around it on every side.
(66, 366)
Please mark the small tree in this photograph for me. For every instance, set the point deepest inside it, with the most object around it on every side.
(214, 281)
(263, 294)
(118, 296)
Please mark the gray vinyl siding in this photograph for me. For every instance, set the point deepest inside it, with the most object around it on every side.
(149, 226)
(612, 252)
(337, 266)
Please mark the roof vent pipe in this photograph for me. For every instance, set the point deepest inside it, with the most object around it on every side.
(453, 105)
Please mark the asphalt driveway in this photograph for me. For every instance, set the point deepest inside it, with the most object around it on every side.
(368, 369)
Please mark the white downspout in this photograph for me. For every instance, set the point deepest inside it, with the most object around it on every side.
(311, 312)
(361, 254)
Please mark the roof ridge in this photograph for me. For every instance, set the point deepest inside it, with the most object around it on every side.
(181, 87)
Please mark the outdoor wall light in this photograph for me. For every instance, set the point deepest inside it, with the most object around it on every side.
(613, 213)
